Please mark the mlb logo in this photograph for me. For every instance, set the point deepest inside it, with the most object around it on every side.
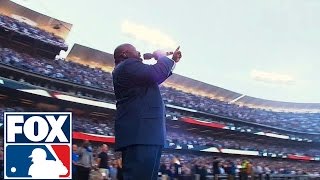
(37, 145)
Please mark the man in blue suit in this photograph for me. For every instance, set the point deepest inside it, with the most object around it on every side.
(140, 128)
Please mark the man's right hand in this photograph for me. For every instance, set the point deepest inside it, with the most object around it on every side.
(158, 54)
(177, 55)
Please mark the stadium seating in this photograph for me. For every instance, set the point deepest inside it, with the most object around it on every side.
(94, 77)
(28, 30)
(101, 126)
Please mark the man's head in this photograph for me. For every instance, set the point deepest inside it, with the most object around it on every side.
(125, 51)
(86, 143)
(104, 148)
(74, 147)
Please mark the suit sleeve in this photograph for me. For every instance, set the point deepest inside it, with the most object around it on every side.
(149, 74)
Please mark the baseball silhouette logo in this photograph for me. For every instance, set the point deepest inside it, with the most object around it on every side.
(37, 145)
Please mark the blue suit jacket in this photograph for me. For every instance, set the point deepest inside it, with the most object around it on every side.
(140, 115)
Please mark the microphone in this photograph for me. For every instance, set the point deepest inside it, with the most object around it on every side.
(148, 56)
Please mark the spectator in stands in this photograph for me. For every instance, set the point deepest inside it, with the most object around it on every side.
(85, 162)
(215, 166)
(75, 158)
(176, 165)
(230, 169)
(245, 170)
(119, 169)
(102, 161)
(258, 171)
(196, 167)
(267, 171)
(140, 118)
(113, 170)
(203, 171)
(165, 169)
(249, 170)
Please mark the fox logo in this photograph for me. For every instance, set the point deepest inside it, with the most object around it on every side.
(37, 145)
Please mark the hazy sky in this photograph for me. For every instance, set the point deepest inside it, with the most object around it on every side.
(263, 48)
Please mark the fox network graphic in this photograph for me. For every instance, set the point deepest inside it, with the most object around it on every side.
(37, 145)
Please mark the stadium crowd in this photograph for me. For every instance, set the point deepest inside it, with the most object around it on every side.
(59, 69)
(30, 31)
(101, 126)
(175, 165)
(271, 146)
(204, 165)
(97, 78)
(296, 121)
(106, 164)
(189, 165)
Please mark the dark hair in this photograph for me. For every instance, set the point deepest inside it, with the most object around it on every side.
(117, 60)
(118, 53)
